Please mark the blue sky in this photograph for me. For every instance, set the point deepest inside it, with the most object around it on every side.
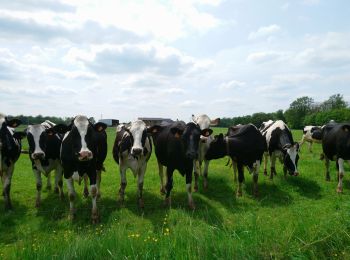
(129, 59)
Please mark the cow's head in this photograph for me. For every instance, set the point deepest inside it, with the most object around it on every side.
(190, 136)
(38, 137)
(217, 148)
(138, 134)
(82, 134)
(204, 122)
(9, 140)
(291, 158)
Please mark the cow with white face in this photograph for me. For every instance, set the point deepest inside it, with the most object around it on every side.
(44, 153)
(280, 145)
(132, 150)
(204, 123)
(81, 154)
(10, 150)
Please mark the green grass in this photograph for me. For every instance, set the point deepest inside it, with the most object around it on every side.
(299, 217)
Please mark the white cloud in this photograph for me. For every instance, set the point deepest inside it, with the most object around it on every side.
(310, 2)
(264, 32)
(285, 6)
(231, 84)
(264, 56)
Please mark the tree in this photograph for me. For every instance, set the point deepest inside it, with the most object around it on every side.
(297, 111)
(334, 102)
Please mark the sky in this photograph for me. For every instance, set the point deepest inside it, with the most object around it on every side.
(129, 59)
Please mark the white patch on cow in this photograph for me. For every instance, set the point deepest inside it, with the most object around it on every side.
(76, 177)
(36, 131)
(82, 123)
(203, 121)
(278, 124)
(136, 129)
(293, 154)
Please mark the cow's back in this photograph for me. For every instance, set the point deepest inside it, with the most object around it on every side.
(335, 141)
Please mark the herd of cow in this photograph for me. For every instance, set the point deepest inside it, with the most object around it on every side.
(78, 151)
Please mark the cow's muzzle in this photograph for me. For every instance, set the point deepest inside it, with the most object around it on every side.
(136, 151)
(38, 156)
(85, 156)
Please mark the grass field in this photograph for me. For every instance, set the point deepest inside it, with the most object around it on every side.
(299, 217)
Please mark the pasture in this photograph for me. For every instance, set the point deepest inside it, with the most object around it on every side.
(298, 217)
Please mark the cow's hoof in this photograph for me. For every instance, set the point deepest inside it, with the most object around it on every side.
(98, 195)
(328, 178)
(265, 172)
(339, 190)
(56, 190)
(256, 193)
(162, 191)
(86, 193)
(167, 202)
(141, 203)
(271, 177)
(72, 214)
(48, 187)
(239, 193)
(205, 185)
(191, 205)
(37, 204)
(195, 188)
(95, 218)
(62, 196)
(8, 207)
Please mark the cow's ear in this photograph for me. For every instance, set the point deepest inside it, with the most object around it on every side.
(194, 119)
(346, 128)
(220, 137)
(296, 145)
(215, 122)
(19, 135)
(177, 132)
(154, 129)
(286, 146)
(99, 126)
(50, 131)
(14, 122)
(206, 132)
(60, 128)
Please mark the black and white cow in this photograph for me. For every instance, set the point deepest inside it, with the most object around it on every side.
(336, 147)
(245, 146)
(280, 145)
(10, 150)
(44, 153)
(311, 134)
(204, 123)
(176, 147)
(132, 150)
(81, 153)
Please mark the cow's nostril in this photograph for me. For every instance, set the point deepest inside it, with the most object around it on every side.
(36, 156)
(136, 151)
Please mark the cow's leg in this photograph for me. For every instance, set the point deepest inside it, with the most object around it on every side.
(94, 212)
(234, 167)
(161, 177)
(169, 185)
(123, 183)
(205, 174)
(310, 147)
(141, 175)
(59, 181)
(6, 180)
(71, 195)
(341, 171)
(240, 179)
(86, 189)
(48, 184)
(273, 165)
(37, 174)
(98, 183)
(189, 189)
(196, 171)
(256, 168)
(326, 163)
(265, 163)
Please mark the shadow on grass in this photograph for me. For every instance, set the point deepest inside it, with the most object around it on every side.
(9, 221)
(270, 195)
(305, 187)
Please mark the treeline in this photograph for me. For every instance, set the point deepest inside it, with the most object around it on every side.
(31, 120)
(303, 111)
